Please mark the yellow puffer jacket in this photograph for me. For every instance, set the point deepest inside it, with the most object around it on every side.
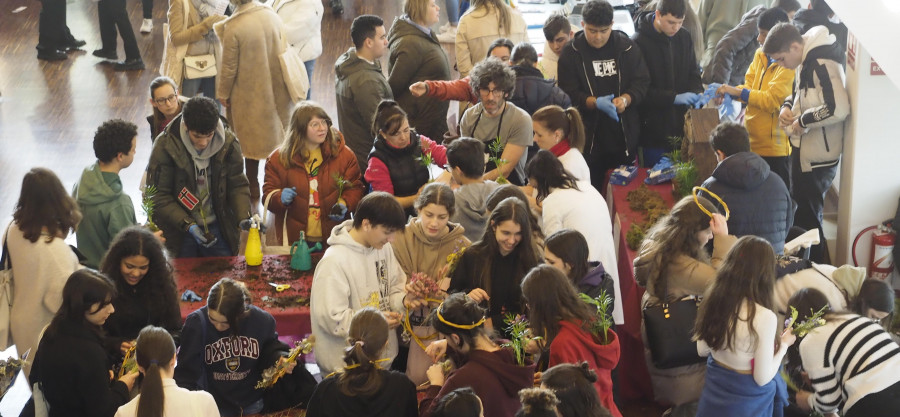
(769, 85)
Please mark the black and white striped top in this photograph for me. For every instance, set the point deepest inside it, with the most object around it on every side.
(848, 358)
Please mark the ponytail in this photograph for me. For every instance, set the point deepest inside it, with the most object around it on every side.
(576, 129)
(367, 336)
(154, 351)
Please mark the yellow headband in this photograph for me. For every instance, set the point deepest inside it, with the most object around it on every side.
(713, 195)
(458, 326)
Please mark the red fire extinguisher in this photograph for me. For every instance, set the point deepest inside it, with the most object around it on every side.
(881, 263)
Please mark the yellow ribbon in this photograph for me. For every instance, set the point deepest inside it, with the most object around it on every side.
(458, 326)
(713, 195)
(408, 327)
(356, 365)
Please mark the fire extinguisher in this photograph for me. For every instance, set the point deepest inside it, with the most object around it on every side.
(881, 263)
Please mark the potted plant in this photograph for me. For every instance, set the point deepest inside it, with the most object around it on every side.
(496, 149)
(520, 331)
(339, 210)
(148, 205)
(600, 327)
(686, 176)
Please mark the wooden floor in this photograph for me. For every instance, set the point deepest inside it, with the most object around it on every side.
(49, 111)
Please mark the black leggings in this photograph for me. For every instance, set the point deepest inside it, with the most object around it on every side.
(148, 8)
(885, 403)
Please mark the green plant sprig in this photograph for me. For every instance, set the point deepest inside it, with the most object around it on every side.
(149, 206)
(602, 302)
(520, 330)
(802, 328)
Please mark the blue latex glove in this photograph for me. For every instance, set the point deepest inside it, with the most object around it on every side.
(191, 296)
(605, 105)
(287, 195)
(707, 95)
(727, 108)
(198, 235)
(245, 225)
(686, 99)
(338, 216)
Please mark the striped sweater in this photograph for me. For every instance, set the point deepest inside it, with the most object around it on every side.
(847, 359)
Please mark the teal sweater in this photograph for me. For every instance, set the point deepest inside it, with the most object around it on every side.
(106, 210)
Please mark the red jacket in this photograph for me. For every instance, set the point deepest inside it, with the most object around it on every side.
(460, 90)
(278, 177)
(573, 345)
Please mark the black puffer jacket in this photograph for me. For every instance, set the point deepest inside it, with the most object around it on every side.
(533, 91)
(735, 51)
(759, 201)
(673, 70)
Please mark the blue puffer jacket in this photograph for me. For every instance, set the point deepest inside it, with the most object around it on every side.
(759, 201)
(533, 91)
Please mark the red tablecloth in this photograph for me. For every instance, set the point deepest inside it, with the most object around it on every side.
(634, 381)
(290, 307)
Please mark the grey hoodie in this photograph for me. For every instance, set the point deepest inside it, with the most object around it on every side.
(201, 165)
(471, 211)
(359, 87)
(351, 276)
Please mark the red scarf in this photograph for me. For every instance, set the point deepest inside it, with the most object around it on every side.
(560, 148)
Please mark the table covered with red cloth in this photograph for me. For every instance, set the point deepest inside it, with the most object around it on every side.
(289, 307)
(634, 380)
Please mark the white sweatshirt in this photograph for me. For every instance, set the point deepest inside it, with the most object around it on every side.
(349, 277)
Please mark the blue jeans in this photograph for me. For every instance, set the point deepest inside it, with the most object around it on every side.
(191, 249)
(190, 88)
(452, 11)
(310, 65)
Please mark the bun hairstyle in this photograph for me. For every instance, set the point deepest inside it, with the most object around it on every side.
(573, 385)
(438, 194)
(388, 118)
(537, 402)
(367, 336)
(231, 299)
(154, 351)
(459, 315)
(461, 402)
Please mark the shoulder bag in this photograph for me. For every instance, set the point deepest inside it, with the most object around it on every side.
(6, 292)
(669, 328)
(293, 70)
(285, 248)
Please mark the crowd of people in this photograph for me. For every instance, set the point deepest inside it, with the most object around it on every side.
(470, 266)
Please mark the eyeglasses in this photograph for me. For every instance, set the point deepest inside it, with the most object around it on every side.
(168, 99)
(493, 92)
(317, 124)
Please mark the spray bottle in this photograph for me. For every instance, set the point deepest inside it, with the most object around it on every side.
(253, 250)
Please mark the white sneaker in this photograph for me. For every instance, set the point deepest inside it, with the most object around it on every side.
(448, 36)
(445, 28)
(147, 26)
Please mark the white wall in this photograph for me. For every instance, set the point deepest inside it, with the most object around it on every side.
(870, 172)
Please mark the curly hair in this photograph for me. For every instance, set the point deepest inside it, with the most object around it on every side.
(492, 70)
(674, 234)
(112, 138)
(44, 203)
(159, 281)
(200, 114)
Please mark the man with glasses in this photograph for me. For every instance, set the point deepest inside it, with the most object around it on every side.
(504, 128)
(202, 193)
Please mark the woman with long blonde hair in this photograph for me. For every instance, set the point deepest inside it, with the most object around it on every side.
(485, 21)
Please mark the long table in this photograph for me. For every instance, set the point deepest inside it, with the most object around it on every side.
(634, 380)
(289, 307)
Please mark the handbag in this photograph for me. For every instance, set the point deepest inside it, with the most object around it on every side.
(6, 294)
(200, 66)
(669, 328)
(293, 70)
(172, 64)
(285, 248)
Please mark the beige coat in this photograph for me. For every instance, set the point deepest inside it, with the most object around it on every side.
(478, 28)
(417, 252)
(193, 36)
(250, 78)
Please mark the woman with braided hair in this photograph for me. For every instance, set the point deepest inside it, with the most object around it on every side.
(362, 387)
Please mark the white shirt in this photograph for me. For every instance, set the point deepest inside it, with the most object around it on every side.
(179, 402)
(573, 161)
